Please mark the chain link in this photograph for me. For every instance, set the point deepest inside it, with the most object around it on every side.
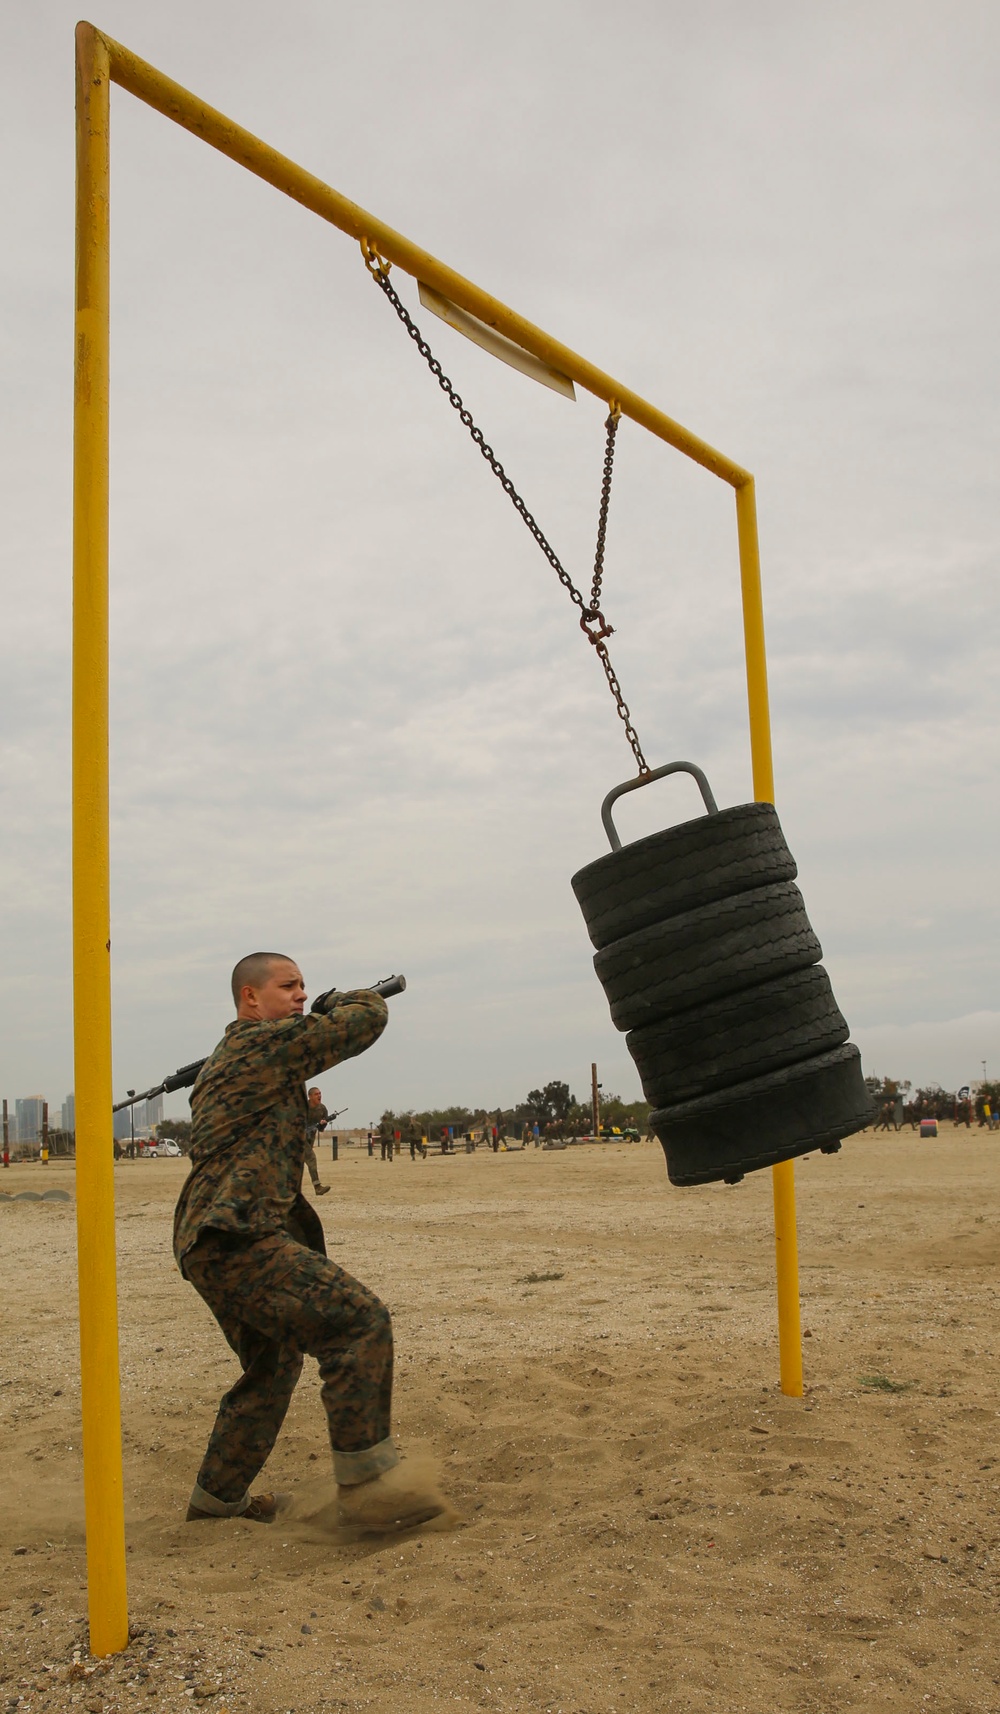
(621, 705)
(592, 621)
(602, 523)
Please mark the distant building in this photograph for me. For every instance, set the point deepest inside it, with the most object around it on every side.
(149, 1113)
(68, 1118)
(28, 1118)
(140, 1119)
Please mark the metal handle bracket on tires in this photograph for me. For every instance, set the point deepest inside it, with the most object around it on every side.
(646, 779)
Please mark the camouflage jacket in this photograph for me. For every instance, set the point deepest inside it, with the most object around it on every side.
(248, 1118)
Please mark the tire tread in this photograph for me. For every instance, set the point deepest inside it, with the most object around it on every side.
(681, 868)
(768, 1119)
(737, 1037)
(718, 949)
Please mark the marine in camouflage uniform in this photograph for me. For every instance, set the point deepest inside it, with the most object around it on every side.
(253, 1247)
(316, 1118)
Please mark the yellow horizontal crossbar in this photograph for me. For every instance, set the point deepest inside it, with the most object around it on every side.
(178, 104)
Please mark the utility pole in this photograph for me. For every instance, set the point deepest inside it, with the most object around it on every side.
(595, 1102)
(6, 1136)
(45, 1133)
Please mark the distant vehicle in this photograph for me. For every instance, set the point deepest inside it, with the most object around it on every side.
(166, 1147)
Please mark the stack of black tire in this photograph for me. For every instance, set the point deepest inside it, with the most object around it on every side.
(708, 960)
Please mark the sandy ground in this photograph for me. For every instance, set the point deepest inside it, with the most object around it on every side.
(649, 1524)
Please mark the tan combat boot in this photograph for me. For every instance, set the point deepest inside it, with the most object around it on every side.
(397, 1500)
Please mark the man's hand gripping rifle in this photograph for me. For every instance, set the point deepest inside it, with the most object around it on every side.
(327, 1002)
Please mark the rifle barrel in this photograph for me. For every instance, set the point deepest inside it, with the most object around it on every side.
(133, 1100)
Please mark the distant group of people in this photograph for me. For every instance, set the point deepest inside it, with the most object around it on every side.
(895, 1113)
(390, 1140)
(392, 1137)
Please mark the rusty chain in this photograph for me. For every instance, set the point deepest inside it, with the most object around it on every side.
(592, 621)
(602, 522)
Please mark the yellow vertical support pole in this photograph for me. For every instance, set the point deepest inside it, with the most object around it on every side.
(783, 1175)
(95, 1206)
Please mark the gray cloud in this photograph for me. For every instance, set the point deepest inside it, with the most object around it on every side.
(352, 712)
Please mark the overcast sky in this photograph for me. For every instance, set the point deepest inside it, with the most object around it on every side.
(353, 716)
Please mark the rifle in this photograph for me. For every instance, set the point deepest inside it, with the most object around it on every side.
(334, 1115)
(328, 1002)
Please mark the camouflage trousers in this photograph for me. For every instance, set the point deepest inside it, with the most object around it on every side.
(275, 1299)
(312, 1166)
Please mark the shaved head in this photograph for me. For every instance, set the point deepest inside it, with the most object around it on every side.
(254, 970)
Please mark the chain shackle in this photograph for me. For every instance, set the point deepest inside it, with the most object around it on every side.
(374, 261)
(594, 625)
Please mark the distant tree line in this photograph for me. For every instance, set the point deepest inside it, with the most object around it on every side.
(179, 1130)
(557, 1112)
(554, 1109)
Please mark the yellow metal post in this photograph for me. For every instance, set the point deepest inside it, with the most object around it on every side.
(783, 1175)
(787, 1252)
(95, 1210)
